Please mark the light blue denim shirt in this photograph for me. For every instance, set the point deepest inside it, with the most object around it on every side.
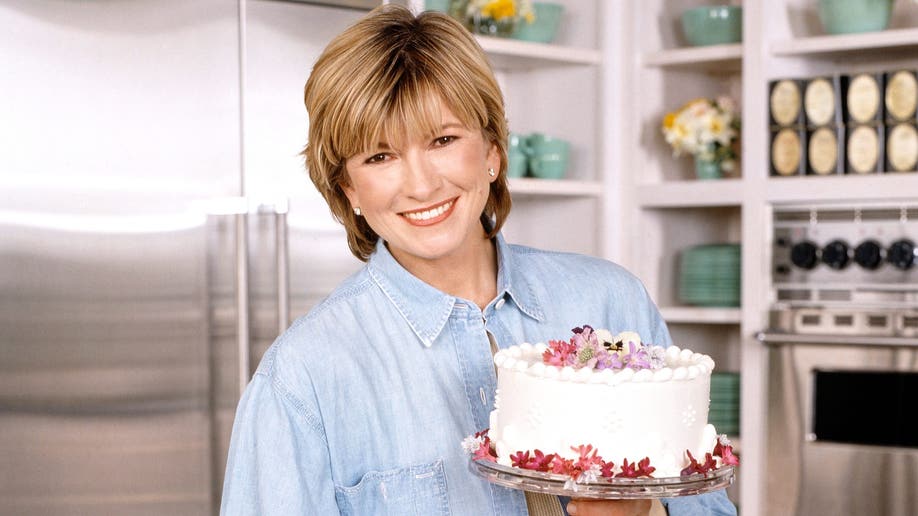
(360, 407)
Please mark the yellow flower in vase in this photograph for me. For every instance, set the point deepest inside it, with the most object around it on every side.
(706, 129)
(492, 17)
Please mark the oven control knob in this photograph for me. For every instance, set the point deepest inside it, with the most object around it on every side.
(835, 254)
(804, 255)
(869, 254)
(901, 254)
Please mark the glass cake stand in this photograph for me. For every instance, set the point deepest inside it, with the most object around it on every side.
(603, 488)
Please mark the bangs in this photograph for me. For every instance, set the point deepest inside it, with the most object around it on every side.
(406, 108)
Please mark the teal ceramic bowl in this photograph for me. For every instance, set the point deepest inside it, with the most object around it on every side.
(852, 16)
(545, 25)
(713, 25)
(441, 6)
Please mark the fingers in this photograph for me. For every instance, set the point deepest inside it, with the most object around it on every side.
(583, 507)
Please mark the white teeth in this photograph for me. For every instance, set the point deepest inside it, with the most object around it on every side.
(429, 214)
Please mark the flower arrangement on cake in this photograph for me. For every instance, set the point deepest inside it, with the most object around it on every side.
(621, 366)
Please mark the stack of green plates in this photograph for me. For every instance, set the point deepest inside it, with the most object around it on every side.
(724, 412)
(709, 275)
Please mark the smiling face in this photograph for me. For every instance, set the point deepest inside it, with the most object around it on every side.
(424, 194)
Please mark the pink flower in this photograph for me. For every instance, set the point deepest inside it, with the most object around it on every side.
(644, 467)
(607, 468)
(519, 459)
(485, 452)
(587, 457)
(628, 470)
(559, 353)
(724, 450)
(694, 467)
(542, 462)
(562, 466)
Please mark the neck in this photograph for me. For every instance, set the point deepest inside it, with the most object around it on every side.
(471, 274)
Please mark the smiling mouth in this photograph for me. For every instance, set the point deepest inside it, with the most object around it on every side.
(430, 215)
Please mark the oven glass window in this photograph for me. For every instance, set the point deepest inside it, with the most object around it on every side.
(866, 407)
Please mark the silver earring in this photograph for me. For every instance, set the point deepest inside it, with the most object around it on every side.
(491, 172)
(357, 211)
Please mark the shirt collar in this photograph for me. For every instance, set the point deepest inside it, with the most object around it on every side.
(426, 309)
(513, 283)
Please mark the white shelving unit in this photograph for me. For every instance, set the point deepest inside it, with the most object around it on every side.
(842, 44)
(510, 54)
(525, 186)
(714, 58)
(690, 194)
(667, 210)
(554, 89)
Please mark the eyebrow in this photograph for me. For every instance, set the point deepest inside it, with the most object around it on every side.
(384, 146)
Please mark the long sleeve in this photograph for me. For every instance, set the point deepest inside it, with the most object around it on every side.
(278, 461)
(708, 504)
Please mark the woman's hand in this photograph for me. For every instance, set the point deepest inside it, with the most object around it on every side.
(585, 507)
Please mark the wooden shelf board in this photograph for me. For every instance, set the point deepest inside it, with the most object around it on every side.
(835, 44)
(555, 187)
(700, 315)
(714, 58)
(691, 194)
(889, 187)
(511, 54)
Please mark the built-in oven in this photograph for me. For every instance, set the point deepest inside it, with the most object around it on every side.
(842, 435)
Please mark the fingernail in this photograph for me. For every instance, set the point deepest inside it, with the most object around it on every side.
(572, 508)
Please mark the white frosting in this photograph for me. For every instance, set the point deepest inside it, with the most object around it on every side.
(624, 414)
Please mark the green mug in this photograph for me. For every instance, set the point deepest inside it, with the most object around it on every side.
(545, 25)
(517, 159)
(548, 156)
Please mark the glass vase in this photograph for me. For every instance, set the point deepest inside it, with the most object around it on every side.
(473, 18)
(707, 168)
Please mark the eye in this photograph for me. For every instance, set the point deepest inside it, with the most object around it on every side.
(377, 158)
(444, 140)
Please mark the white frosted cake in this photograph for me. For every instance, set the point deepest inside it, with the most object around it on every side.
(601, 405)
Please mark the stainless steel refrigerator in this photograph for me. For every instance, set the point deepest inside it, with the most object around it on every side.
(157, 231)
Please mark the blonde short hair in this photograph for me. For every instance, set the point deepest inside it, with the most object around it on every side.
(383, 77)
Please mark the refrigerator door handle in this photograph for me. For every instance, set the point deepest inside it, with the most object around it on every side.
(283, 265)
(242, 299)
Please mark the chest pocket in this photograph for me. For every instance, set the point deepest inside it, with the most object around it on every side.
(418, 490)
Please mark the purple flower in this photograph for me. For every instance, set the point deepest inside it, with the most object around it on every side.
(609, 360)
(636, 358)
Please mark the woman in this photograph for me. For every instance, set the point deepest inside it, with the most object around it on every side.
(360, 407)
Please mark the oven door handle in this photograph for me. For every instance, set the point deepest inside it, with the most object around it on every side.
(781, 338)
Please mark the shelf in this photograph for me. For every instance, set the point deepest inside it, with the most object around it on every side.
(700, 315)
(555, 187)
(714, 58)
(511, 54)
(870, 41)
(887, 187)
(691, 194)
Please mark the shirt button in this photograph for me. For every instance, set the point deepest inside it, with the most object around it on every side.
(499, 304)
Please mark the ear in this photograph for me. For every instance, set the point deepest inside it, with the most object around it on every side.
(350, 192)
(493, 160)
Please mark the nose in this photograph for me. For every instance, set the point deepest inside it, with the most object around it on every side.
(421, 177)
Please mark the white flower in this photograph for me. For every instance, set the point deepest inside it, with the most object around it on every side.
(570, 485)
(703, 128)
(471, 444)
(590, 475)
(628, 336)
